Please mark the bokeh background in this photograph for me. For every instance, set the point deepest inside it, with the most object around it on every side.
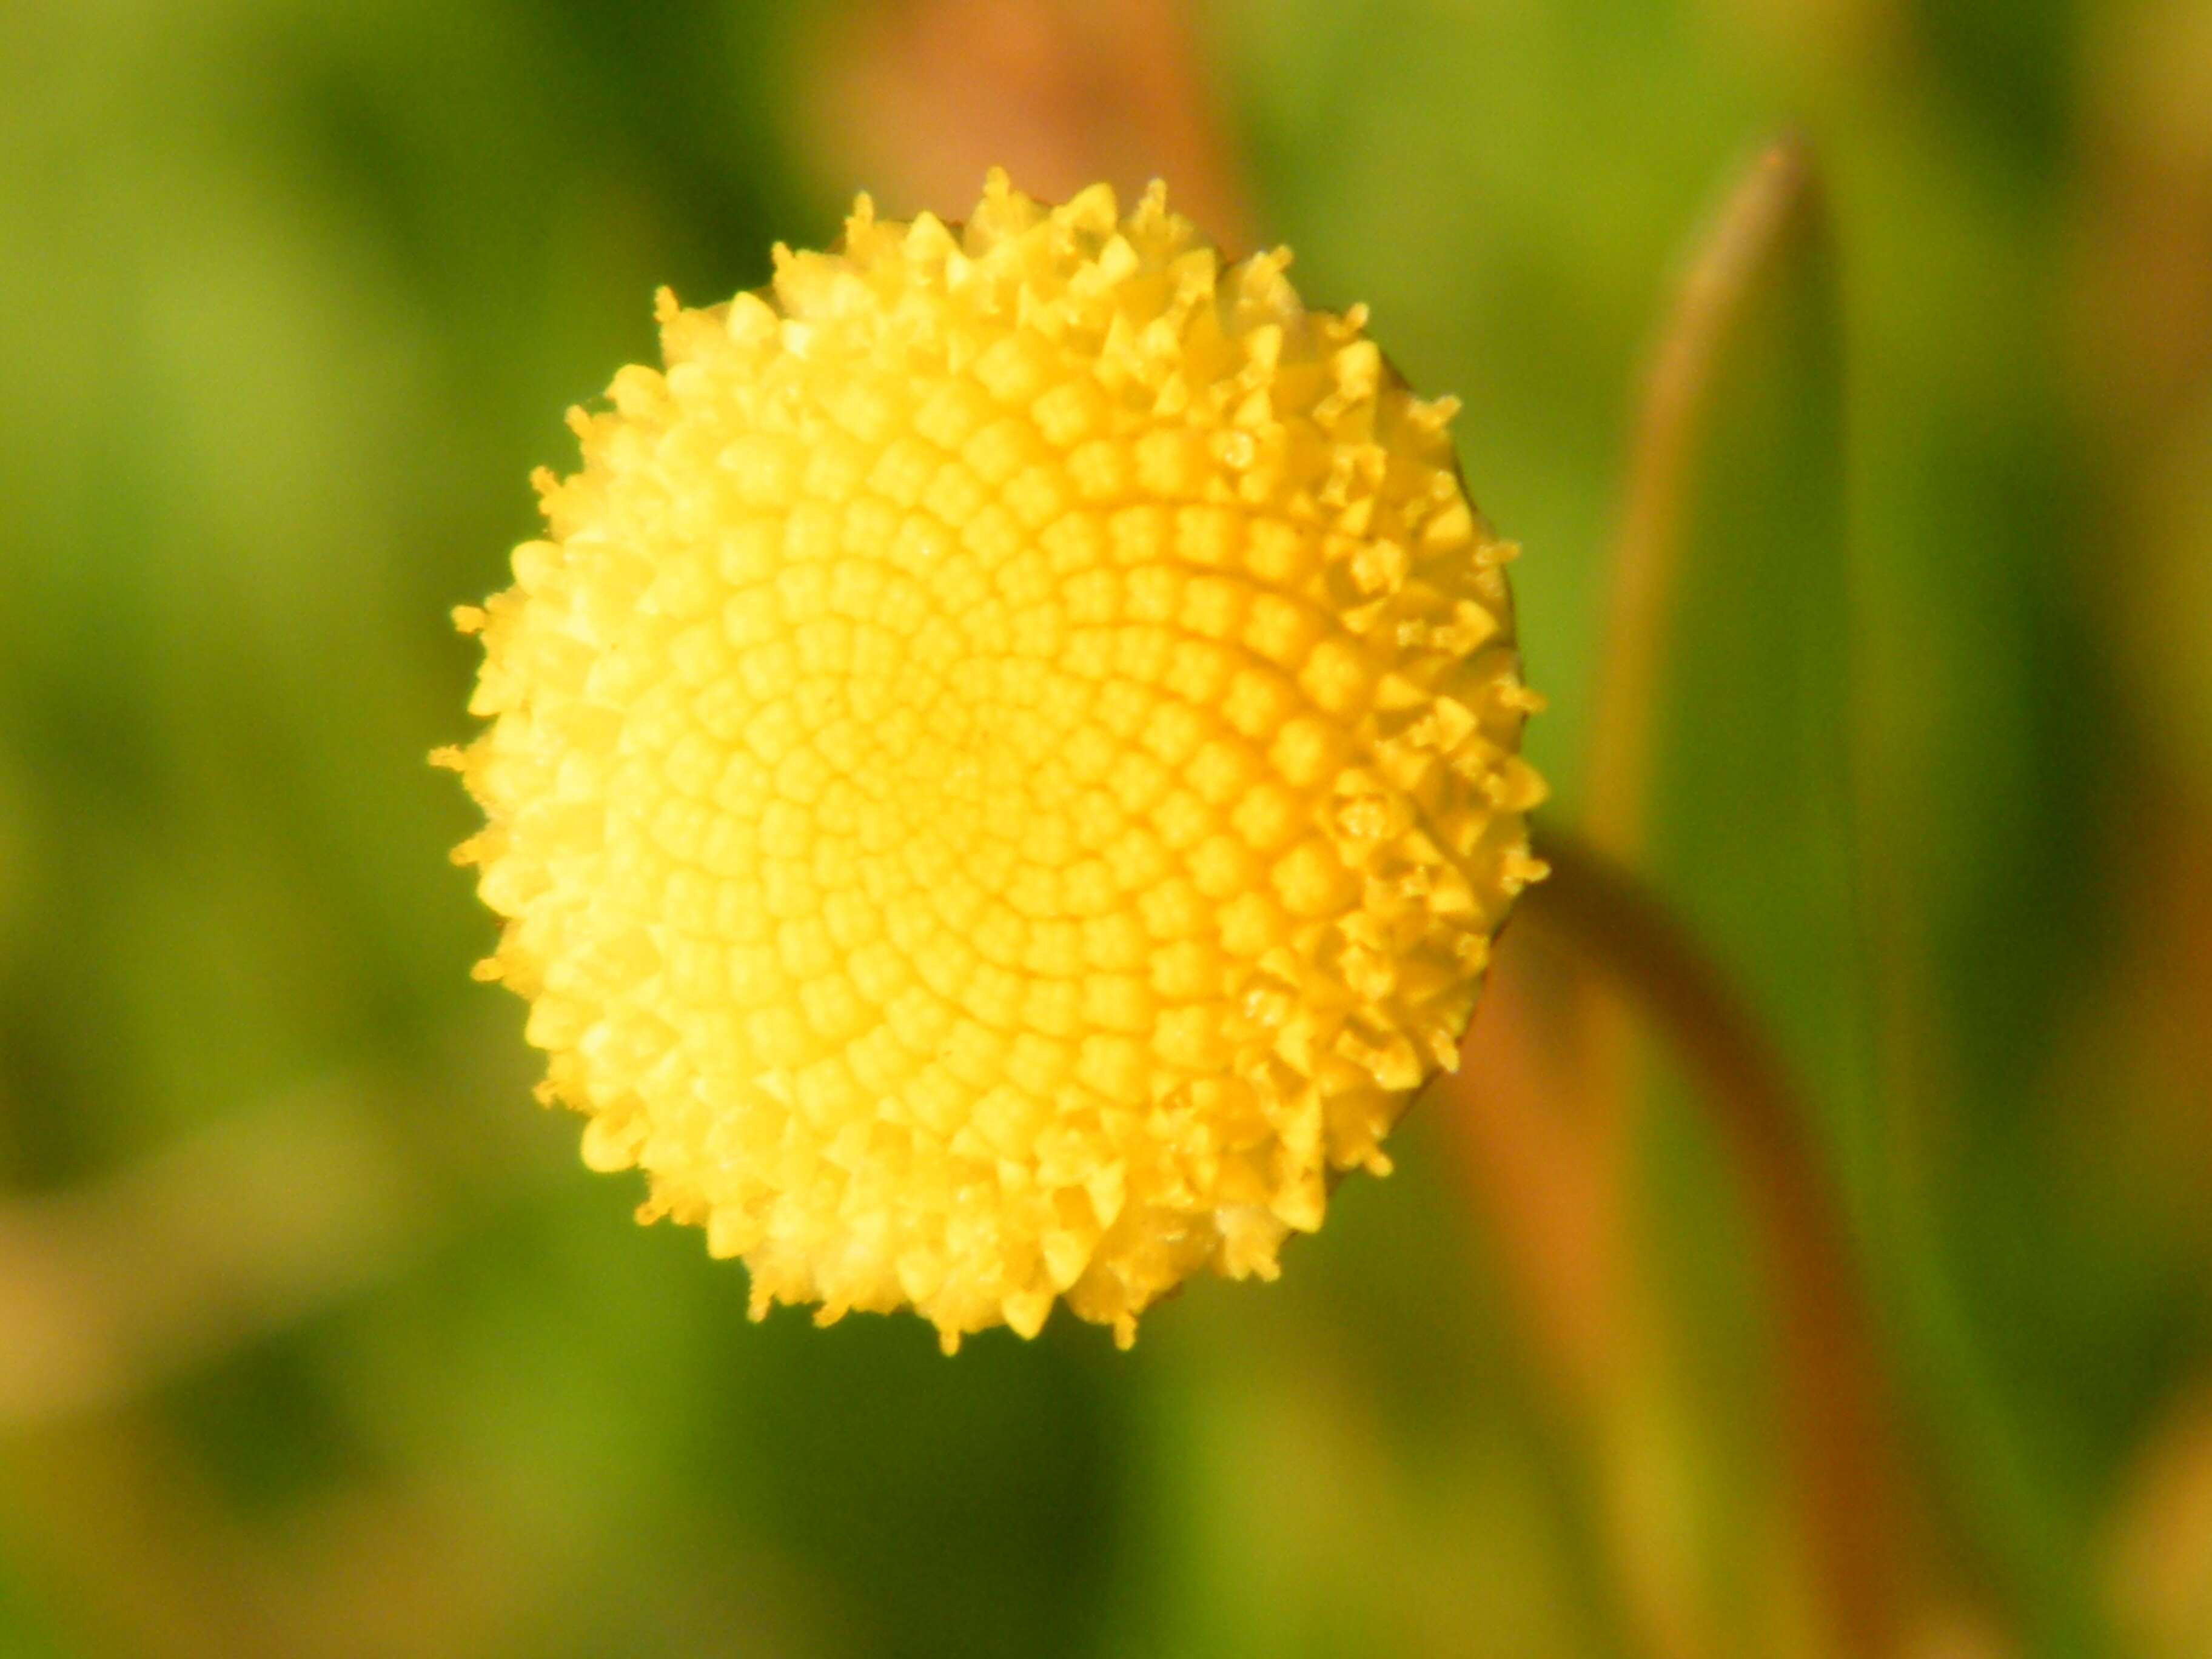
(317, 1340)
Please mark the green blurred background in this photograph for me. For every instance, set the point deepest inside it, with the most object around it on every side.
(316, 1338)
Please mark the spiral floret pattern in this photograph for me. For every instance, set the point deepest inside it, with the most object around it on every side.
(1003, 773)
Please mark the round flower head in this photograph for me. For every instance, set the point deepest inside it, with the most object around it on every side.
(1003, 776)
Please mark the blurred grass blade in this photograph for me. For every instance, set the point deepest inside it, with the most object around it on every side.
(1732, 655)
(1740, 261)
(1721, 768)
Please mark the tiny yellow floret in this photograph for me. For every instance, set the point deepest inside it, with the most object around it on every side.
(1003, 773)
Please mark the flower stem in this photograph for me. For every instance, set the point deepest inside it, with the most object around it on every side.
(1838, 1408)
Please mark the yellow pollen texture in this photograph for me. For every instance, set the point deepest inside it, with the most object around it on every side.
(1002, 776)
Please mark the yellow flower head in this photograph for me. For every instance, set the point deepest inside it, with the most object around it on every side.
(1003, 776)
